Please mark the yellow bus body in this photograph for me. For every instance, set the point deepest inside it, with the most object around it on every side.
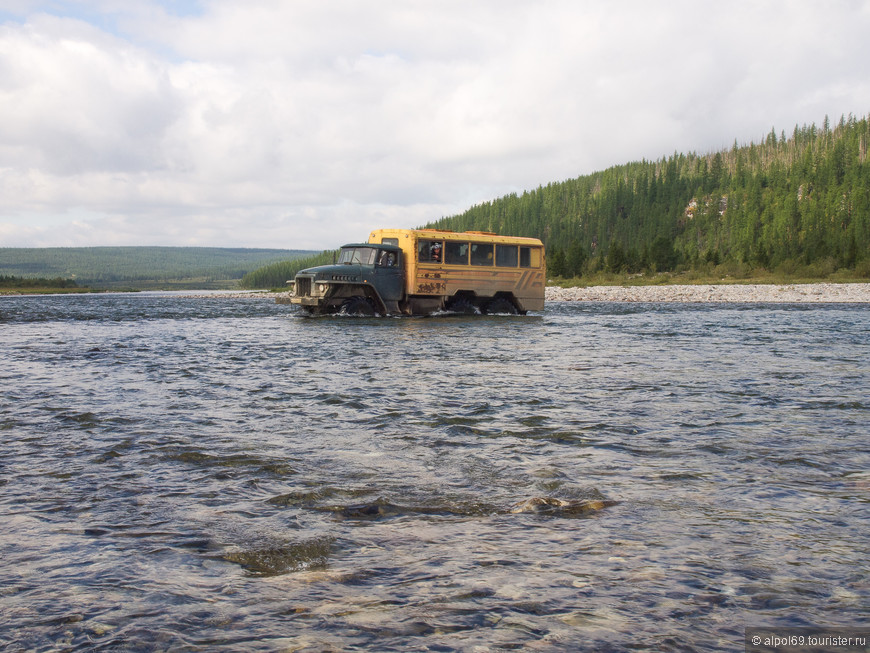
(472, 265)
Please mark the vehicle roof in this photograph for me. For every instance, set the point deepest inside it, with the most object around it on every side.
(391, 248)
(444, 234)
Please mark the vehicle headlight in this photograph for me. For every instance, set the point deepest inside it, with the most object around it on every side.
(321, 288)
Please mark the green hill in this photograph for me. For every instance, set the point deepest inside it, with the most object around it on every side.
(141, 267)
(790, 202)
(277, 274)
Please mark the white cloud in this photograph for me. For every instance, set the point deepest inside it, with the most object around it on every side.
(306, 124)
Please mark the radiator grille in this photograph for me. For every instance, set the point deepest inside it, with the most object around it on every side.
(303, 286)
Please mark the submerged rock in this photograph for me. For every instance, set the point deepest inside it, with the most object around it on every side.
(283, 558)
(382, 509)
(554, 506)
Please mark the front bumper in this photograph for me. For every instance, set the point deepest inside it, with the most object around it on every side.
(306, 301)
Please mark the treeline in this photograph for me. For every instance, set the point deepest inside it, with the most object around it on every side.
(791, 201)
(141, 266)
(20, 282)
(278, 274)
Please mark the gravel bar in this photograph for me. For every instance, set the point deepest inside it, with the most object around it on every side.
(812, 293)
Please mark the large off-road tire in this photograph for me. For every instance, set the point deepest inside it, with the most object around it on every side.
(500, 306)
(357, 305)
(462, 306)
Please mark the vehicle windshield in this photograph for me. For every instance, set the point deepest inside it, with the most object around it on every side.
(357, 255)
(368, 256)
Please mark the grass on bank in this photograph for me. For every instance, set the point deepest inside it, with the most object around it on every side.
(725, 274)
(11, 285)
(44, 290)
(60, 286)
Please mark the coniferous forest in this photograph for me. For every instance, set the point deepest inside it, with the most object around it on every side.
(793, 201)
(278, 274)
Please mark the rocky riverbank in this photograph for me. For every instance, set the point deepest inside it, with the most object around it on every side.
(816, 293)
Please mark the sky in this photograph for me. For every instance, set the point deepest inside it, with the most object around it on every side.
(305, 124)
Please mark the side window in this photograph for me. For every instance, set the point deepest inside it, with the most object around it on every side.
(506, 256)
(456, 253)
(429, 251)
(387, 259)
(525, 257)
(530, 257)
(481, 254)
(390, 241)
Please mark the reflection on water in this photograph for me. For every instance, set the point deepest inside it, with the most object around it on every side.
(215, 473)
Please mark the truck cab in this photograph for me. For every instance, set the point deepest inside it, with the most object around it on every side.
(366, 279)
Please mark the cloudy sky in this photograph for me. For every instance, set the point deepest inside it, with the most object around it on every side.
(307, 123)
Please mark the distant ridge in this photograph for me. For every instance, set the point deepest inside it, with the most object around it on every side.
(142, 267)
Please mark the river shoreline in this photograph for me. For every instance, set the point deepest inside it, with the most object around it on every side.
(808, 293)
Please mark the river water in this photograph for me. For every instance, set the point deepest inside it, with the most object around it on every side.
(199, 474)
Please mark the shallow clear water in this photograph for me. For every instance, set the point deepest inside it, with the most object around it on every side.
(224, 474)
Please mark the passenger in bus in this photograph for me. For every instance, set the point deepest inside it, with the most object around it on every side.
(436, 252)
